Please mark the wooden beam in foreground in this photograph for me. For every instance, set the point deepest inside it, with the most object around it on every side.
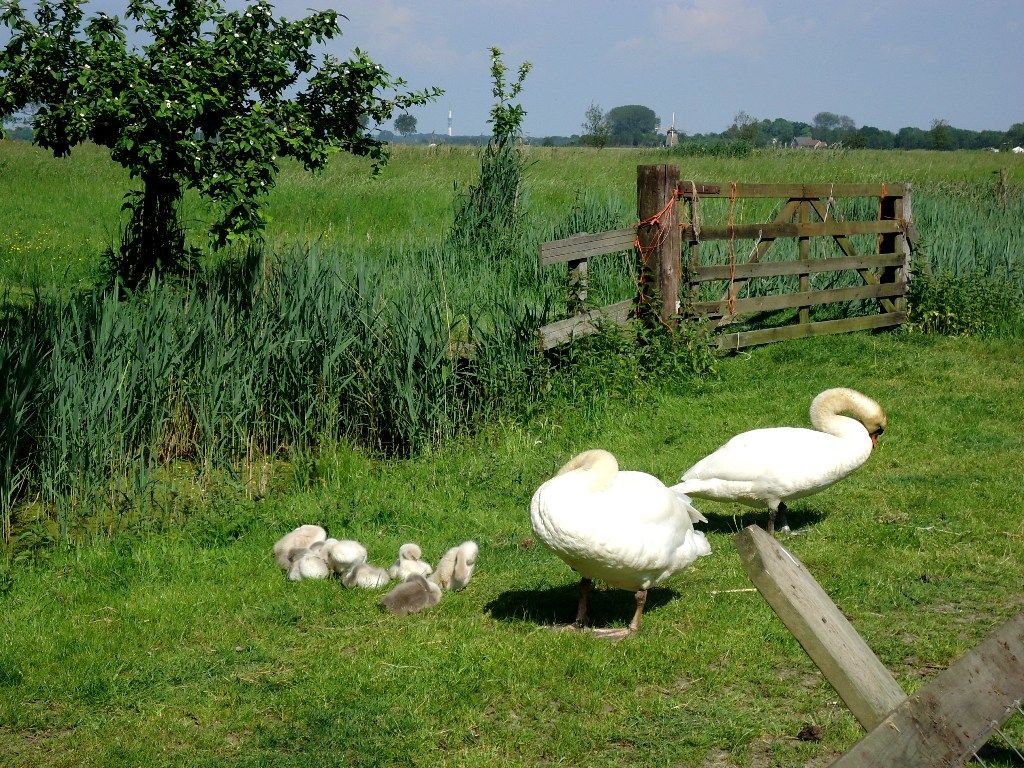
(948, 720)
(863, 682)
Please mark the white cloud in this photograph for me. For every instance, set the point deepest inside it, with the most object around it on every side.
(400, 30)
(706, 26)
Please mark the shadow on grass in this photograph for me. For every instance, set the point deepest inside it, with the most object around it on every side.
(798, 519)
(557, 605)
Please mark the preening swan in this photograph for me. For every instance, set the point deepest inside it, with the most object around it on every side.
(344, 555)
(625, 528)
(771, 466)
(456, 567)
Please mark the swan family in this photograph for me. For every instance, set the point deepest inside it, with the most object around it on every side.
(631, 531)
(307, 553)
(625, 528)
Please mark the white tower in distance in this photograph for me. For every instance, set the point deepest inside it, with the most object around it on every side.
(449, 122)
(672, 135)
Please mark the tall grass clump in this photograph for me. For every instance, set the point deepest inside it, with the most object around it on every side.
(488, 216)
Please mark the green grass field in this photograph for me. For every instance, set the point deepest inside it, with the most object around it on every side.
(166, 635)
(191, 648)
(61, 214)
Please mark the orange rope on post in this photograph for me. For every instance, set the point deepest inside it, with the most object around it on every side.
(654, 220)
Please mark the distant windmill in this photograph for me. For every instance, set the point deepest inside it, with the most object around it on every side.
(672, 135)
(449, 122)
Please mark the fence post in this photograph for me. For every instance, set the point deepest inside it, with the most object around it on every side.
(660, 240)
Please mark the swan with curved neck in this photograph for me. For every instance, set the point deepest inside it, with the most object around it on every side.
(625, 528)
(768, 467)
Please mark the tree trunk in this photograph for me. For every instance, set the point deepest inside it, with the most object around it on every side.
(154, 240)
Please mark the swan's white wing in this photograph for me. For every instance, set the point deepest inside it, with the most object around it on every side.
(763, 453)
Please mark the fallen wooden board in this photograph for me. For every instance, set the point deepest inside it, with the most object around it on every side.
(846, 661)
(948, 720)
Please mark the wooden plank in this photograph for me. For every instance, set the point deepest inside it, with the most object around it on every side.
(585, 246)
(796, 267)
(796, 229)
(553, 334)
(947, 721)
(795, 191)
(733, 341)
(846, 661)
(577, 299)
(776, 302)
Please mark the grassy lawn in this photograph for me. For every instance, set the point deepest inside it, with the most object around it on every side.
(191, 648)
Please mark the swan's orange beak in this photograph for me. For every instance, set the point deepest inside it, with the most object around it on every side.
(874, 438)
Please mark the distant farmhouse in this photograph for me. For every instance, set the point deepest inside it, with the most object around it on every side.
(806, 142)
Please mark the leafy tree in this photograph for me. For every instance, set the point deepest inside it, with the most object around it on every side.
(633, 125)
(405, 124)
(596, 128)
(940, 136)
(207, 99)
(744, 127)
(911, 138)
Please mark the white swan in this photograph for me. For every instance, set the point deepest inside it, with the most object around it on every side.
(410, 563)
(625, 528)
(456, 567)
(771, 466)
(300, 538)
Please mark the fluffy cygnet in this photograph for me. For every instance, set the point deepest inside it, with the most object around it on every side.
(366, 576)
(345, 555)
(301, 538)
(309, 564)
(411, 596)
(456, 567)
(410, 563)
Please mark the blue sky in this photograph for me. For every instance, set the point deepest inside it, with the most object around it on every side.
(887, 63)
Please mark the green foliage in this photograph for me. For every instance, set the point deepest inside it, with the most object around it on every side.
(405, 124)
(596, 128)
(633, 125)
(191, 647)
(972, 304)
(488, 215)
(208, 100)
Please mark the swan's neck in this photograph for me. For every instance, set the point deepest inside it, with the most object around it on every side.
(826, 407)
(596, 466)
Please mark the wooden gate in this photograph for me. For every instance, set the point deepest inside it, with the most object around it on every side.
(664, 241)
(808, 212)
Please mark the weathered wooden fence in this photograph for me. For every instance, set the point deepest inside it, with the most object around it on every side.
(664, 243)
(942, 724)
